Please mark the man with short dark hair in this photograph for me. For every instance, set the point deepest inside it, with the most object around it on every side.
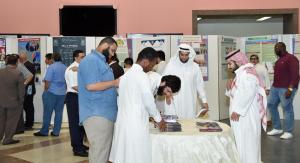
(76, 131)
(98, 99)
(132, 142)
(12, 96)
(53, 96)
(161, 63)
(128, 62)
(283, 90)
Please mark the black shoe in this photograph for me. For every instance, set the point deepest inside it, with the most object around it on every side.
(81, 154)
(52, 134)
(39, 134)
(11, 142)
(86, 147)
(28, 128)
(19, 132)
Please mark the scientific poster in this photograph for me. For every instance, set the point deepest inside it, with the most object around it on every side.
(31, 46)
(65, 46)
(199, 43)
(157, 43)
(2, 52)
(123, 50)
(228, 45)
(296, 45)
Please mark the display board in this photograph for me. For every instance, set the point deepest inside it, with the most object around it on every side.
(228, 44)
(66, 45)
(31, 46)
(200, 45)
(296, 45)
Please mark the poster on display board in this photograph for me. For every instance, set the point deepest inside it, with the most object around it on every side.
(228, 44)
(158, 43)
(31, 46)
(200, 45)
(2, 52)
(65, 46)
(296, 45)
(263, 46)
(124, 49)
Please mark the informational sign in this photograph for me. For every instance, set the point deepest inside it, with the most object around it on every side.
(31, 46)
(65, 46)
(200, 45)
(2, 52)
(296, 45)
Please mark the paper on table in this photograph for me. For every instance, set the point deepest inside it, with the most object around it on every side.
(202, 112)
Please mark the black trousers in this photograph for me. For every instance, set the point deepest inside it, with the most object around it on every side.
(76, 131)
(29, 110)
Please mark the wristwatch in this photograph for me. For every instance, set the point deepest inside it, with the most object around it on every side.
(290, 89)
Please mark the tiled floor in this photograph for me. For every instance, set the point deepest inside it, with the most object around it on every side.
(58, 149)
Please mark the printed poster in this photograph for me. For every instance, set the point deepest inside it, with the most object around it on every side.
(31, 46)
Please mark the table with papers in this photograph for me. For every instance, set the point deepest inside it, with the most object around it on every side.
(193, 146)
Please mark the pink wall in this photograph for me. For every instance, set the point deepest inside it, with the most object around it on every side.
(134, 16)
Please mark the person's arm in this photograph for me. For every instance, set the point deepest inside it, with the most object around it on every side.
(266, 80)
(293, 68)
(21, 89)
(48, 77)
(100, 86)
(200, 88)
(26, 73)
(72, 76)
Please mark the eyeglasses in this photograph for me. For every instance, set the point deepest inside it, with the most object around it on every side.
(253, 58)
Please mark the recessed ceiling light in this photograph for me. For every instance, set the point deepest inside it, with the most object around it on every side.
(263, 18)
(199, 18)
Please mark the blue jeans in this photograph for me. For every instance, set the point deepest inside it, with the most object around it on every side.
(52, 102)
(276, 96)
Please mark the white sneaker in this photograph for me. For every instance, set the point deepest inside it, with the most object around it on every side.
(286, 135)
(274, 132)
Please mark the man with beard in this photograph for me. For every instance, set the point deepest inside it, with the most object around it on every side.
(98, 99)
(247, 107)
(182, 65)
(283, 90)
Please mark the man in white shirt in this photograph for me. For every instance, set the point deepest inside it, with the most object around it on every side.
(247, 109)
(76, 131)
(161, 63)
(263, 75)
(131, 142)
(182, 65)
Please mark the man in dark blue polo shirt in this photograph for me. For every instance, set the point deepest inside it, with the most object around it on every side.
(283, 90)
(98, 99)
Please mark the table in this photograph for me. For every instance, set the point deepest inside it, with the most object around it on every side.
(193, 146)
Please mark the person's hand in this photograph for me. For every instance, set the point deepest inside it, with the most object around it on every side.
(117, 82)
(267, 92)
(168, 94)
(162, 125)
(235, 116)
(229, 83)
(74, 68)
(288, 93)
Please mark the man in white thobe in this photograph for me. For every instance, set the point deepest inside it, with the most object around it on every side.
(192, 84)
(131, 141)
(247, 107)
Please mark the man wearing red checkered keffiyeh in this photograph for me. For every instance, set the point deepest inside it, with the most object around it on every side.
(247, 107)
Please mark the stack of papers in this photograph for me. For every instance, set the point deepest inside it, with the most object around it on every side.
(209, 127)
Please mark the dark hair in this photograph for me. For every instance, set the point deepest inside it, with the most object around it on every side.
(173, 82)
(254, 55)
(76, 54)
(161, 55)
(147, 53)
(282, 45)
(49, 56)
(108, 40)
(56, 57)
(12, 59)
(128, 61)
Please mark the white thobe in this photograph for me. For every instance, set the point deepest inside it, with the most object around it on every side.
(131, 142)
(192, 84)
(244, 96)
(263, 74)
